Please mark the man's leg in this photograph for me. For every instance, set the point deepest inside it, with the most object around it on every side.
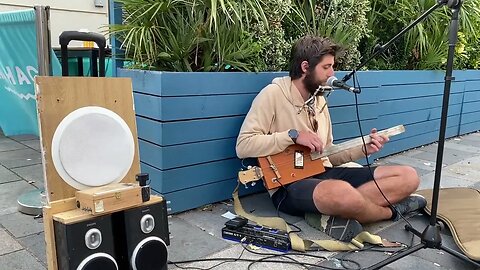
(339, 198)
(365, 203)
(396, 183)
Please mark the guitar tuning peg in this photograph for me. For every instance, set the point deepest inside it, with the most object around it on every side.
(253, 184)
(249, 167)
(246, 186)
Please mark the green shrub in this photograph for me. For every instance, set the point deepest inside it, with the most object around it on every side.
(189, 35)
(342, 20)
(425, 46)
(256, 35)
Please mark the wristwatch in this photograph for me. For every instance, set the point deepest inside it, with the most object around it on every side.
(293, 134)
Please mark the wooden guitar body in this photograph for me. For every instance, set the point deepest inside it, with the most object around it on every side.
(293, 164)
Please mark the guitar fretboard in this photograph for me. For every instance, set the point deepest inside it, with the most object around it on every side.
(356, 142)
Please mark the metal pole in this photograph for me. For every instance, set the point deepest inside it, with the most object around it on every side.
(42, 24)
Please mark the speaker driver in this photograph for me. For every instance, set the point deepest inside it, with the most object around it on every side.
(98, 261)
(149, 254)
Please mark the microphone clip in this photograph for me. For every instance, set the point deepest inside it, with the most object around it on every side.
(321, 90)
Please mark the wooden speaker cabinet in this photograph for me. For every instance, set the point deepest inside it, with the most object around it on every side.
(141, 236)
(86, 245)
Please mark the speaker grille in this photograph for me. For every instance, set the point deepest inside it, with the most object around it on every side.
(149, 254)
(98, 261)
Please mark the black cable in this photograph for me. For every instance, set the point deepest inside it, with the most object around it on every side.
(211, 267)
(297, 229)
(343, 259)
(355, 82)
(300, 254)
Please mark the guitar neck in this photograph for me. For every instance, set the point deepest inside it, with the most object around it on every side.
(356, 142)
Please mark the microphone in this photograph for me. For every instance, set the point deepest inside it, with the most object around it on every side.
(334, 82)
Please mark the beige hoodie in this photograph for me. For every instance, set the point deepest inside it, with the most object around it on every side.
(278, 108)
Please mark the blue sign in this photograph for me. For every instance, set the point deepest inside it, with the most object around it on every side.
(18, 67)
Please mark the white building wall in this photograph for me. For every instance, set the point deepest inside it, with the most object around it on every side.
(67, 15)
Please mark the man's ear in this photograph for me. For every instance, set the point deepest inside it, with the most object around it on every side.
(304, 65)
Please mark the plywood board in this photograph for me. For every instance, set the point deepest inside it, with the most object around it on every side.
(59, 96)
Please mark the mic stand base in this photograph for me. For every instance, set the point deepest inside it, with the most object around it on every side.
(430, 238)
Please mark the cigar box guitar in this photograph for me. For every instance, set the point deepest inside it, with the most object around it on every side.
(298, 162)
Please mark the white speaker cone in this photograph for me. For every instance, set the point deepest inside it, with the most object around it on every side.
(92, 146)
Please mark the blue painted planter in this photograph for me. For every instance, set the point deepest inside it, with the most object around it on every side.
(188, 122)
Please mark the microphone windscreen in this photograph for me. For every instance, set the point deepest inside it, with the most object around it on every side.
(330, 80)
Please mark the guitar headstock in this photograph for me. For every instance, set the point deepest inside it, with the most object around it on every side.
(251, 175)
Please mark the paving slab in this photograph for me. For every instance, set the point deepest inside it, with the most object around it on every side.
(421, 166)
(20, 225)
(35, 244)
(34, 144)
(189, 242)
(9, 244)
(20, 260)
(468, 169)
(32, 174)
(24, 137)
(473, 138)
(431, 148)
(449, 157)
(10, 145)
(209, 218)
(20, 158)
(466, 147)
(9, 193)
(7, 176)
(447, 179)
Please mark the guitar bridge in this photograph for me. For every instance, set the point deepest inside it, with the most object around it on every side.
(274, 169)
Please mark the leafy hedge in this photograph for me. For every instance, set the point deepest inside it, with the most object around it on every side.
(256, 35)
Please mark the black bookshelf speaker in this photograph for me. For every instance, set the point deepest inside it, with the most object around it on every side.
(145, 237)
(86, 245)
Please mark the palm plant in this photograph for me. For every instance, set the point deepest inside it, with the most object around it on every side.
(342, 20)
(188, 35)
(425, 45)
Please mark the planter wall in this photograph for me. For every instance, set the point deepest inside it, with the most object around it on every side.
(188, 122)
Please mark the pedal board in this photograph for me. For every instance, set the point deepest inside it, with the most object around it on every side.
(259, 236)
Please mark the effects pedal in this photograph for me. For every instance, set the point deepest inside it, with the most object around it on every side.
(239, 230)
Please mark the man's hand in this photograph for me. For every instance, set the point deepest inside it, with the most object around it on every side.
(377, 142)
(310, 140)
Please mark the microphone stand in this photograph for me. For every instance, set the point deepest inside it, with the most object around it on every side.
(430, 237)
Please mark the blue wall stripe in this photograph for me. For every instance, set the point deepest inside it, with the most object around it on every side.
(470, 117)
(470, 127)
(417, 103)
(176, 156)
(181, 178)
(194, 197)
(349, 113)
(186, 108)
(181, 132)
(471, 107)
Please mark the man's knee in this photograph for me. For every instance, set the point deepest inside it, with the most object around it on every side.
(410, 179)
(335, 196)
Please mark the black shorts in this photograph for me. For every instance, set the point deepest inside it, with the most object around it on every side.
(297, 198)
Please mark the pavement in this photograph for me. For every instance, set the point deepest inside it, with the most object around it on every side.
(196, 234)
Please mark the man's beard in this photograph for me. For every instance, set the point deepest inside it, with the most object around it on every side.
(310, 82)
